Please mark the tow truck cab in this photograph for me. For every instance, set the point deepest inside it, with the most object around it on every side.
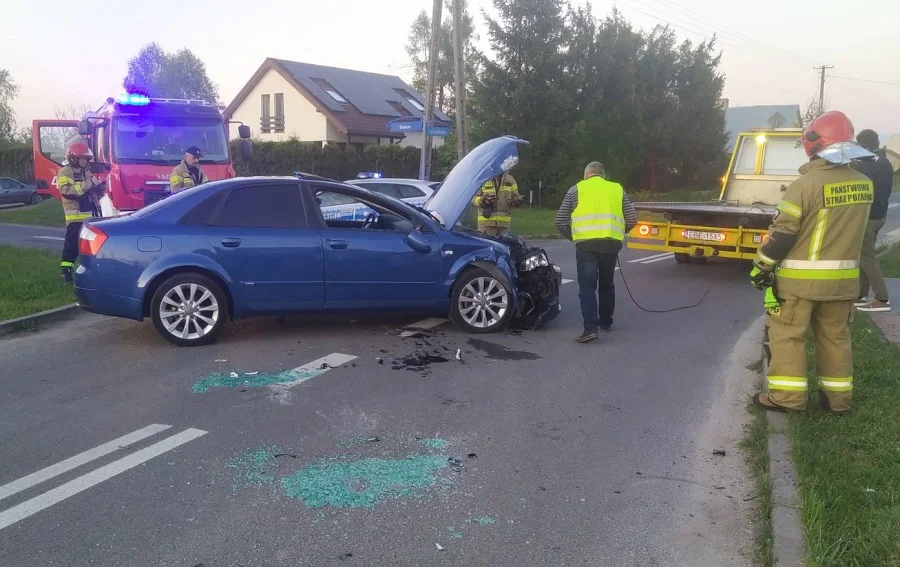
(137, 141)
(763, 163)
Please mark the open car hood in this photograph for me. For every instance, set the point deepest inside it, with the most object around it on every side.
(490, 159)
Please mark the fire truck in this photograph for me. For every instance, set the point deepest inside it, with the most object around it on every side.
(764, 162)
(137, 141)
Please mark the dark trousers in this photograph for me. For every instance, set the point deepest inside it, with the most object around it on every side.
(596, 273)
(70, 246)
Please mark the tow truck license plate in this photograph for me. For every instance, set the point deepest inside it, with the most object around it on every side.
(698, 235)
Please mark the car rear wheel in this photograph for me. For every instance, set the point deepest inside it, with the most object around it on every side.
(189, 309)
(35, 199)
(480, 303)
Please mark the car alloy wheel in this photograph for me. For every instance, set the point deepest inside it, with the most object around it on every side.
(189, 309)
(481, 302)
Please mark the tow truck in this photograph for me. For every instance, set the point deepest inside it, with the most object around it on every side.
(137, 141)
(762, 165)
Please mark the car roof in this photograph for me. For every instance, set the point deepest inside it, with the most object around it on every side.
(393, 180)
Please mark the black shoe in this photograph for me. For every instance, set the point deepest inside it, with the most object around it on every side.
(587, 336)
(65, 275)
(606, 329)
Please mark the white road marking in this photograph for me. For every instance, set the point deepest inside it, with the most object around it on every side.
(892, 205)
(893, 235)
(61, 467)
(315, 368)
(663, 259)
(60, 238)
(644, 259)
(565, 281)
(106, 472)
(423, 325)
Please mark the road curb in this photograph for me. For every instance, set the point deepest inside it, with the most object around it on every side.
(49, 316)
(788, 541)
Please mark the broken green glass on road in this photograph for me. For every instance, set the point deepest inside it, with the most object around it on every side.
(234, 380)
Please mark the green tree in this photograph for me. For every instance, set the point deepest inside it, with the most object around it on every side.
(8, 91)
(170, 75)
(417, 49)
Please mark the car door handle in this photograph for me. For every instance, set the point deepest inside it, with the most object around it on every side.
(231, 242)
(338, 244)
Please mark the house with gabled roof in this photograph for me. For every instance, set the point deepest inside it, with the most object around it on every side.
(313, 103)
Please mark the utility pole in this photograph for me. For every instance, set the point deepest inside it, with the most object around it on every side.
(823, 68)
(459, 68)
(425, 161)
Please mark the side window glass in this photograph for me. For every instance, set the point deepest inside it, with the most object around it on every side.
(55, 139)
(201, 215)
(263, 206)
(409, 192)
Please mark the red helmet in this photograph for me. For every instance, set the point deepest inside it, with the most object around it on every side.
(79, 150)
(833, 127)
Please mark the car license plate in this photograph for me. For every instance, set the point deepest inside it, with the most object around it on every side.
(700, 235)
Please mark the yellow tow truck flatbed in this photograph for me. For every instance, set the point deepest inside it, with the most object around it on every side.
(762, 165)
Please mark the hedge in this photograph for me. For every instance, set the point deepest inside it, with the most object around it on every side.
(17, 162)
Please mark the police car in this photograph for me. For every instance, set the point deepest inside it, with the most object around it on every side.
(413, 191)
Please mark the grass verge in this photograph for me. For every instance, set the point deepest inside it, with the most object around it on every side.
(29, 282)
(48, 213)
(848, 465)
(756, 447)
(890, 262)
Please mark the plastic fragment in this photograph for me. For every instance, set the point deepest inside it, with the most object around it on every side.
(439, 546)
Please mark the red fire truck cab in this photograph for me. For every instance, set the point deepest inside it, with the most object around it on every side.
(137, 141)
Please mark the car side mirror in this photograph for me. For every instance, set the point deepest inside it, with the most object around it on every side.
(246, 149)
(244, 132)
(84, 128)
(41, 184)
(417, 241)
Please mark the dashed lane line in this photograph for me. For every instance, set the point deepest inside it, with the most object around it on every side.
(315, 368)
(59, 238)
(78, 460)
(651, 259)
(95, 477)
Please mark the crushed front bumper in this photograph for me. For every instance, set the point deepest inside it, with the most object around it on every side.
(538, 297)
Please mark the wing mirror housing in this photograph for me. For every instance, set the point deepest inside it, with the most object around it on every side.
(417, 241)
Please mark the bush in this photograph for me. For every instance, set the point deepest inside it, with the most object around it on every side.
(17, 162)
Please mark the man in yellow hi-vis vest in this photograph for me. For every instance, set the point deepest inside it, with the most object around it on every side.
(81, 193)
(495, 206)
(809, 266)
(596, 214)
(187, 174)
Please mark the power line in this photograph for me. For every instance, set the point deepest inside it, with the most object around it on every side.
(864, 80)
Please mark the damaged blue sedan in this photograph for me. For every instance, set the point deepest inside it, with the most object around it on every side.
(261, 246)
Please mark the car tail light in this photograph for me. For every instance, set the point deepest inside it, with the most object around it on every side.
(90, 240)
(644, 230)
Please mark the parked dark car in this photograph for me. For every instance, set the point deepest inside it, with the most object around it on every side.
(13, 192)
(254, 246)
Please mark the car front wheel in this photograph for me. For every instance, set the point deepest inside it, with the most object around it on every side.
(189, 309)
(480, 303)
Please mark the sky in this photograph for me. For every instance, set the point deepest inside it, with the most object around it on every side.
(769, 47)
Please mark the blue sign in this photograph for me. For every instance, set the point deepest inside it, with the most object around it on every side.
(435, 128)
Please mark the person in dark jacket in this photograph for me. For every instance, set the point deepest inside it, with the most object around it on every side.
(879, 170)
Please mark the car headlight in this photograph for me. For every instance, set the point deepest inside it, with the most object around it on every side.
(534, 261)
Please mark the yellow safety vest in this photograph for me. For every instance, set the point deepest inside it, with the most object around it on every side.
(599, 211)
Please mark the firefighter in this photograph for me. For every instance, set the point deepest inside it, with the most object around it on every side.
(81, 193)
(187, 174)
(809, 267)
(495, 207)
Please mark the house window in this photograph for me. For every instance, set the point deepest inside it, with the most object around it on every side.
(278, 122)
(265, 119)
(411, 100)
(336, 95)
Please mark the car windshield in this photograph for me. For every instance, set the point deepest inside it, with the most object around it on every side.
(160, 140)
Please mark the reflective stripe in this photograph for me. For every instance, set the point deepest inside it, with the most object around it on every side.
(837, 384)
(789, 383)
(496, 218)
(582, 218)
(66, 265)
(790, 209)
(72, 217)
(820, 264)
(618, 230)
(76, 187)
(815, 246)
(795, 274)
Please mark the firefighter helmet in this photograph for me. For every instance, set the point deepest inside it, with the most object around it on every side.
(831, 128)
(78, 150)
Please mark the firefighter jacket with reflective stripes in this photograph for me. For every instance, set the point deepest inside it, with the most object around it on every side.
(817, 234)
(182, 178)
(598, 213)
(503, 201)
(78, 201)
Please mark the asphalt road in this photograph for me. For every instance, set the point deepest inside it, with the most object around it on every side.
(530, 450)
(568, 454)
